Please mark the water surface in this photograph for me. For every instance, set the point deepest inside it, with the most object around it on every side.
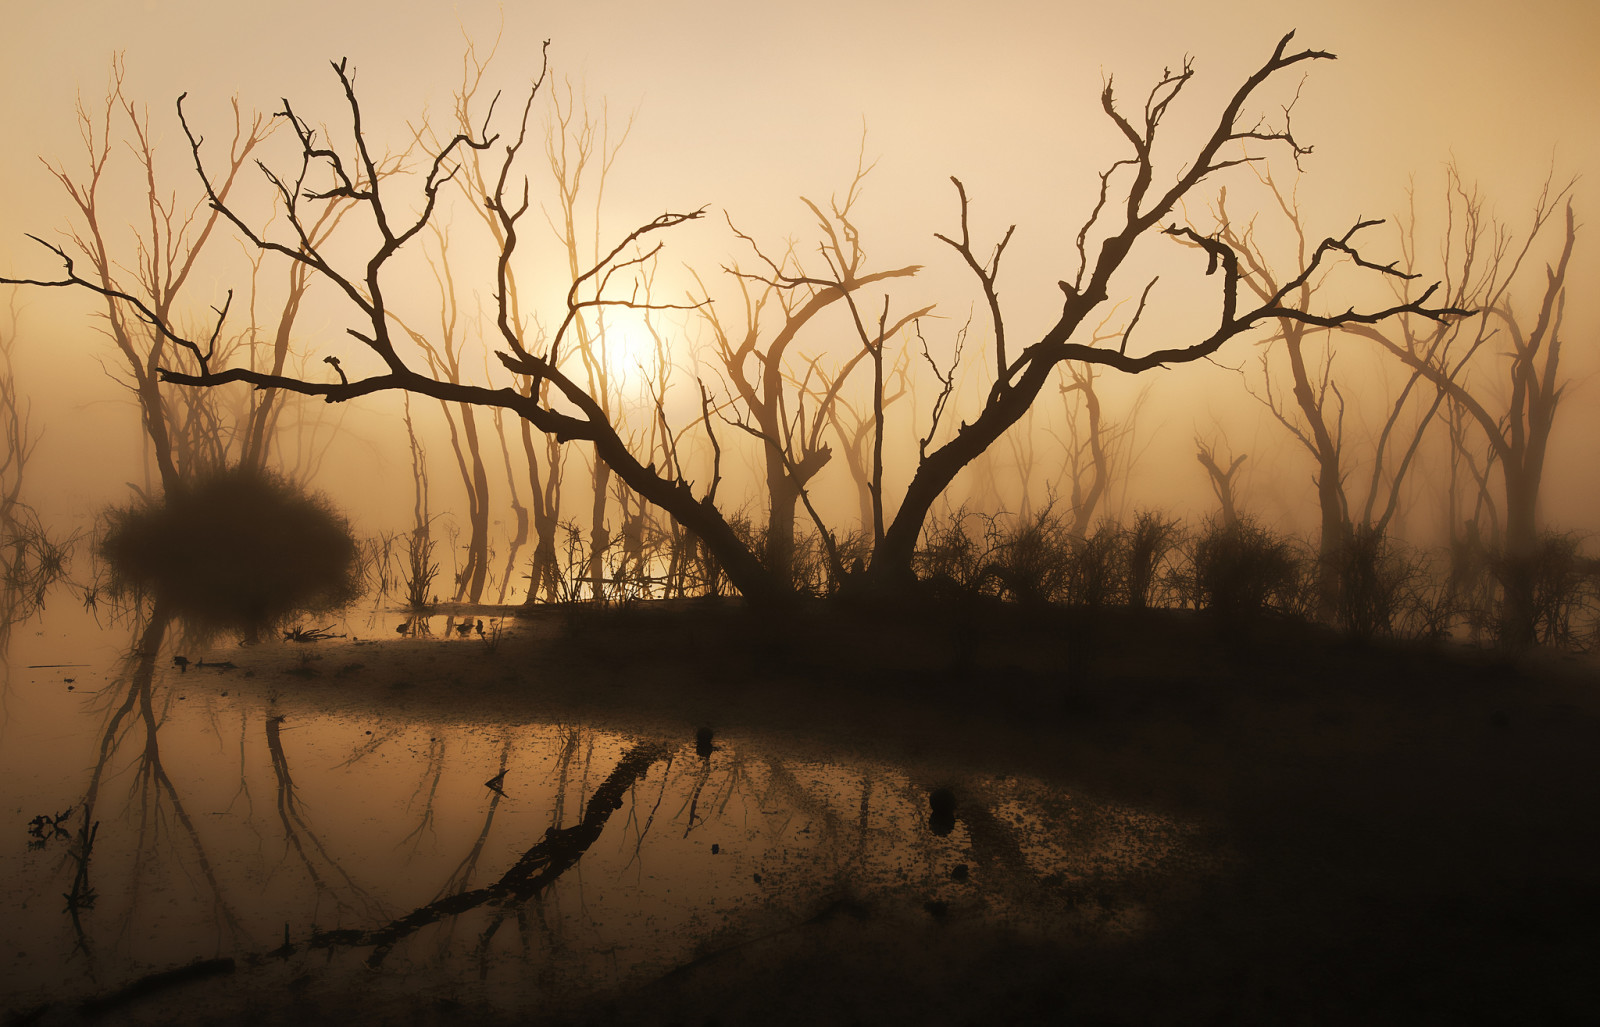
(212, 814)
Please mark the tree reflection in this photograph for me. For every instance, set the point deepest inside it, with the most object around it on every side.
(306, 843)
(458, 880)
(528, 878)
(154, 792)
(431, 776)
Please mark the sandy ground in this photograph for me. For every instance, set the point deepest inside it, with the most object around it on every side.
(1414, 828)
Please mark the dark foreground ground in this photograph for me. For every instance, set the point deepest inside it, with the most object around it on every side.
(1415, 831)
(1412, 833)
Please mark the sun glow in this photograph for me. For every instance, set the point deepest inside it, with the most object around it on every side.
(625, 346)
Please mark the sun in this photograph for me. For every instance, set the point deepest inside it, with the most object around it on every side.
(627, 349)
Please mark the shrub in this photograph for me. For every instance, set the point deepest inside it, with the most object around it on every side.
(421, 569)
(1147, 545)
(1472, 583)
(1241, 569)
(234, 550)
(1377, 581)
(1564, 591)
(1033, 560)
(950, 559)
(1096, 567)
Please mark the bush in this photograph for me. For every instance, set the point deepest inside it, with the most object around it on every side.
(1376, 578)
(950, 559)
(1147, 545)
(235, 550)
(421, 569)
(1565, 591)
(1096, 567)
(1243, 569)
(1032, 561)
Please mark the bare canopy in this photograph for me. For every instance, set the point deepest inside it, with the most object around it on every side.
(1129, 207)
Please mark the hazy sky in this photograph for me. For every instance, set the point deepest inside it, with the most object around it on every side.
(745, 106)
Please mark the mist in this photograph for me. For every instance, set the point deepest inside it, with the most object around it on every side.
(879, 398)
(1028, 141)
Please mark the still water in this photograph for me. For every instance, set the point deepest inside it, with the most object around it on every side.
(156, 816)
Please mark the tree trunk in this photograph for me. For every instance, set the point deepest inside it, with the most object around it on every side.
(545, 496)
(599, 537)
(478, 508)
(1335, 533)
(783, 497)
(1519, 559)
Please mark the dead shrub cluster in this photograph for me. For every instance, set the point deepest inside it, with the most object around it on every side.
(1383, 587)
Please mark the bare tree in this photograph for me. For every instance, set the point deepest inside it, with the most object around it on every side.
(1487, 265)
(1020, 379)
(1221, 478)
(1312, 406)
(754, 360)
(444, 360)
(856, 429)
(477, 184)
(1094, 444)
(575, 147)
(574, 412)
(144, 280)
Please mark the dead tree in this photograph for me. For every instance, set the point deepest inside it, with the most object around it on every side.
(1221, 478)
(573, 412)
(143, 287)
(753, 357)
(1122, 223)
(856, 429)
(1312, 406)
(1093, 443)
(575, 147)
(444, 360)
(1487, 266)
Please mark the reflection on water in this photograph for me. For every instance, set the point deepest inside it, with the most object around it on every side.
(190, 813)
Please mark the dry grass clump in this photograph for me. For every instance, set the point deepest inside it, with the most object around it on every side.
(1039, 559)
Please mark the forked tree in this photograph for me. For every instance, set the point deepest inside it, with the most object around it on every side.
(1221, 478)
(1130, 208)
(788, 417)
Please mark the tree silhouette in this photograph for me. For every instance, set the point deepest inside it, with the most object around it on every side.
(1130, 206)
(145, 275)
(1312, 406)
(754, 360)
(1487, 270)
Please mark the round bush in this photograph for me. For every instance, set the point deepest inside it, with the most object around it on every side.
(235, 550)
